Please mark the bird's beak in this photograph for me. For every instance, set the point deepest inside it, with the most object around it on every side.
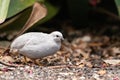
(62, 38)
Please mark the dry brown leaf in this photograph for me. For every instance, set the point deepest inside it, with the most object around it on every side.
(89, 64)
(83, 53)
(1, 50)
(66, 73)
(81, 65)
(7, 59)
(39, 12)
(101, 72)
(86, 38)
(116, 50)
(95, 44)
(113, 61)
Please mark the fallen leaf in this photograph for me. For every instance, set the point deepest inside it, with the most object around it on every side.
(7, 59)
(94, 44)
(66, 73)
(101, 72)
(83, 53)
(39, 12)
(86, 38)
(113, 61)
(116, 50)
(96, 76)
(89, 64)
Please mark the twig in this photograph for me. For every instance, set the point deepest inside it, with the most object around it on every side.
(10, 65)
(63, 66)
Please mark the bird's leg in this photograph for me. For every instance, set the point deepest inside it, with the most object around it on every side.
(25, 60)
(36, 61)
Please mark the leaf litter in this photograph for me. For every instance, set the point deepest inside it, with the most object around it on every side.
(82, 57)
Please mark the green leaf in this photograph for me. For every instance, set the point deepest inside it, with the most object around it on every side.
(4, 5)
(118, 6)
(17, 6)
(18, 21)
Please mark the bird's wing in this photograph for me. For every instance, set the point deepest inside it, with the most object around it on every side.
(28, 39)
(37, 40)
(19, 42)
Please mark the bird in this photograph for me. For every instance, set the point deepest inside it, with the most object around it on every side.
(36, 45)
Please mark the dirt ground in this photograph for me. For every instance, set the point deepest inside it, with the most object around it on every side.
(86, 54)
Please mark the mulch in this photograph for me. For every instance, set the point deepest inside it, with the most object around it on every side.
(86, 54)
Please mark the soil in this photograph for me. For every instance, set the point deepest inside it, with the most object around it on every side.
(86, 54)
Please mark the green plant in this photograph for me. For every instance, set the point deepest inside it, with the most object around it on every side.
(19, 12)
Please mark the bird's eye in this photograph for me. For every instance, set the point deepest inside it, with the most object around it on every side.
(57, 35)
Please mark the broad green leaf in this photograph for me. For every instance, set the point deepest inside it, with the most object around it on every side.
(17, 6)
(4, 5)
(118, 5)
(18, 21)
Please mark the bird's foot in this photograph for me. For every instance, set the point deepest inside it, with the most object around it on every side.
(37, 62)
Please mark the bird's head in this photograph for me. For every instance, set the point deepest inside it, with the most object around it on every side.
(58, 37)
